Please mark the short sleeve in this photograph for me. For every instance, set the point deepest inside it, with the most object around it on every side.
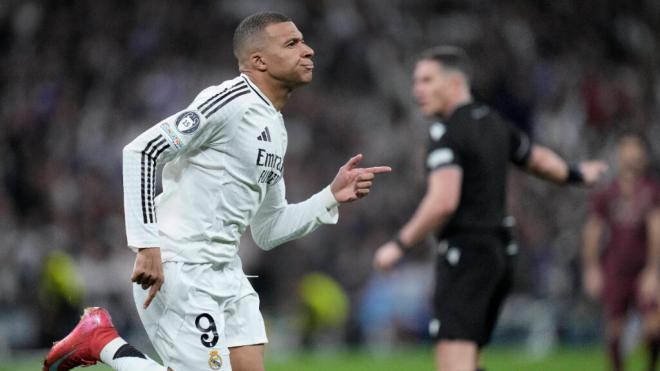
(443, 148)
(520, 145)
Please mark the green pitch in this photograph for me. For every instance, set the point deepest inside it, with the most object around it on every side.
(417, 359)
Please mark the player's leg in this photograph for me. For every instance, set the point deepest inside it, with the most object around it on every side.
(456, 355)
(122, 356)
(185, 321)
(613, 331)
(95, 339)
(245, 329)
(618, 293)
(652, 338)
(651, 326)
(468, 275)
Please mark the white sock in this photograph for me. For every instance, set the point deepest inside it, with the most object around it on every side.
(127, 363)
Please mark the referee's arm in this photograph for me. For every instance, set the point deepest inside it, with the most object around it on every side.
(546, 164)
(443, 193)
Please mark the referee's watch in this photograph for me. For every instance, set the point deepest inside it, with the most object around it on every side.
(574, 175)
(402, 246)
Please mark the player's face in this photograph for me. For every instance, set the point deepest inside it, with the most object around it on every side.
(632, 155)
(288, 58)
(431, 87)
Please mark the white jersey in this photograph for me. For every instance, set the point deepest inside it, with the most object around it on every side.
(224, 157)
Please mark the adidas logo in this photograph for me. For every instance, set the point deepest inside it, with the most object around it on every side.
(265, 135)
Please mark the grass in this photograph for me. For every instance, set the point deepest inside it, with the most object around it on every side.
(415, 359)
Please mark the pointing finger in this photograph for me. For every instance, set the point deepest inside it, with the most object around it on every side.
(378, 169)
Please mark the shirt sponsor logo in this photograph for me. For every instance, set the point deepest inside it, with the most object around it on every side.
(187, 122)
(274, 165)
(439, 157)
(171, 135)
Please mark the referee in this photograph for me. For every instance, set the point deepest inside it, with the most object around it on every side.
(464, 205)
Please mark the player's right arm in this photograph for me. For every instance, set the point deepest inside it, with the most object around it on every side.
(592, 273)
(184, 131)
(201, 122)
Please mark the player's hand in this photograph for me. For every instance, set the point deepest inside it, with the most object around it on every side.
(387, 255)
(593, 282)
(148, 272)
(648, 285)
(353, 182)
(592, 171)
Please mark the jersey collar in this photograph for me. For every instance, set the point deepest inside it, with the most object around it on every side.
(256, 90)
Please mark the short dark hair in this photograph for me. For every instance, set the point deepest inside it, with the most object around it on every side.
(252, 25)
(450, 57)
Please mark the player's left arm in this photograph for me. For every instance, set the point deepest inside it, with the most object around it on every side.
(545, 163)
(277, 221)
(651, 273)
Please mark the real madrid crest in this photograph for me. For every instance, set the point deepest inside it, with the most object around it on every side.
(215, 360)
(187, 122)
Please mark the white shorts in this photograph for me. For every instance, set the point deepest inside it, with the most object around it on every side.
(200, 312)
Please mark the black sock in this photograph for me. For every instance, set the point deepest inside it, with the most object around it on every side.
(127, 350)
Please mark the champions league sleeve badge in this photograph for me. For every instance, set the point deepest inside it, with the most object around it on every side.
(215, 360)
(187, 122)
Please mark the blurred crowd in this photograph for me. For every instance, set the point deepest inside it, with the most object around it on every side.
(80, 79)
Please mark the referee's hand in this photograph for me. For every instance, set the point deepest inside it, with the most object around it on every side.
(148, 272)
(593, 172)
(353, 182)
(387, 256)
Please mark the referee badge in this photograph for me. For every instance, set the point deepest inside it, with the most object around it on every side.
(187, 122)
(215, 360)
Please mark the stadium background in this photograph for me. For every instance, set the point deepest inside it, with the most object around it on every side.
(80, 79)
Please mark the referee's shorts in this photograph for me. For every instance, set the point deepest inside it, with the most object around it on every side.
(474, 274)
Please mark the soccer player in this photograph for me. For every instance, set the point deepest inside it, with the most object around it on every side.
(224, 158)
(464, 204)
(626, 274)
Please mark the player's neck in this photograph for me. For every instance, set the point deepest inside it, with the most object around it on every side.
(276, 92)
(460, 99)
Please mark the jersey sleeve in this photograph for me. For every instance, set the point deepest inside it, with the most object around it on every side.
(520, 145)
(277, 221)
(444, 149)
(204, 121)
